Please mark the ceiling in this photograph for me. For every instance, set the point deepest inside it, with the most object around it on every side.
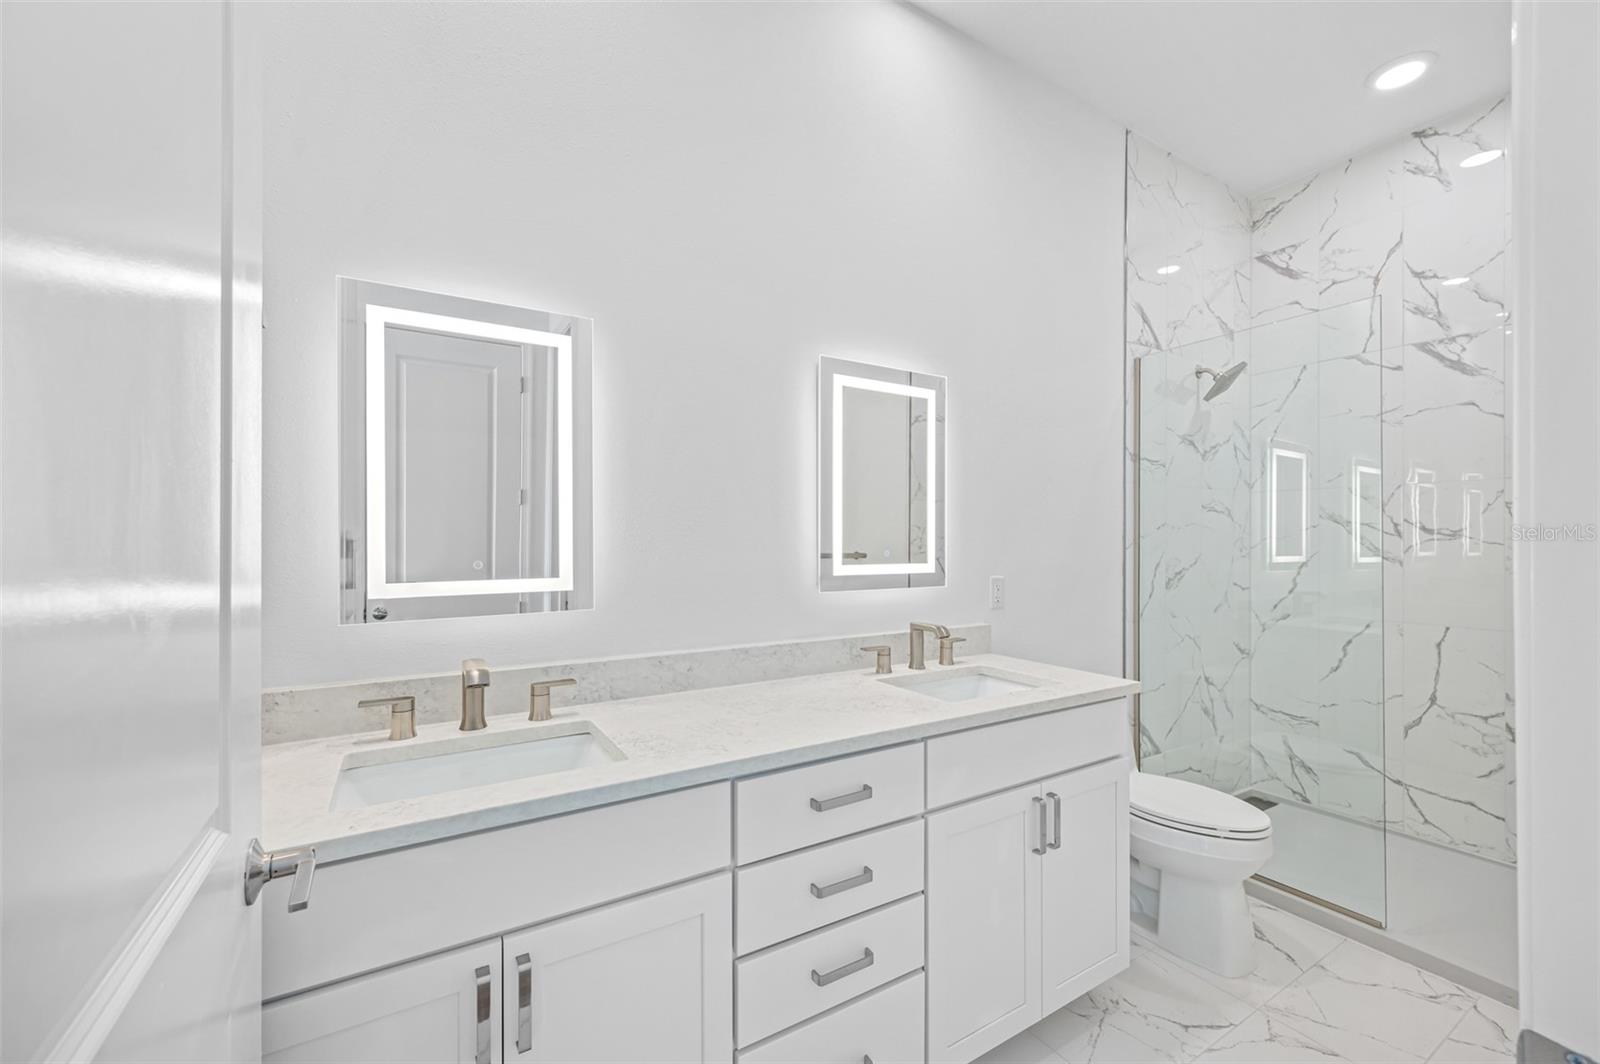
(1254, 93)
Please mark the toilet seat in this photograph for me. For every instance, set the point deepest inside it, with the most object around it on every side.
(1194, 809)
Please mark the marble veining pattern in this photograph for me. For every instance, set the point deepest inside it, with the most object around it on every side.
(1371, 303)
(1314, 997)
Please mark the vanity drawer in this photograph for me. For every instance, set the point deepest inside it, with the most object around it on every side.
(795, 981)
(814, 803)
(885, 1027)
(804, 891)
(984, 760)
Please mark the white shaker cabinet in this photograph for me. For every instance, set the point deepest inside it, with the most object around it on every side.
(440, 1010)
(1027, 906)
(984, 936)
(649, 979)
(1085, 881)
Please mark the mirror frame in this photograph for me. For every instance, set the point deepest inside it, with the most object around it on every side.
(366, 310)
(834, 377)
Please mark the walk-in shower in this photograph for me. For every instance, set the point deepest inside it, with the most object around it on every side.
(1318, 520)
(1261, 589)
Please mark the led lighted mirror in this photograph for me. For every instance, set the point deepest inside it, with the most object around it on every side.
(465, 437)
(881, 485)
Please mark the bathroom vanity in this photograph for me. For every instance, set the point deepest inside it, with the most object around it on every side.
(845, 867)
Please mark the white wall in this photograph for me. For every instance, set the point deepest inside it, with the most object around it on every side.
(730, 191)
(1556, 215)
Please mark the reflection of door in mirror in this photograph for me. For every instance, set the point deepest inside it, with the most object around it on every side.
(456, 478)
(464, 439)
(879, 476)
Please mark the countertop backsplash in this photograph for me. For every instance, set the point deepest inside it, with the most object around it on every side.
(326, 710)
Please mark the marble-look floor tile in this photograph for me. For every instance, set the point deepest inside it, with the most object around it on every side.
(1286, 946)
(1268, 1039)
(1368, 1006)
(1020, 1049)
(1486, 1035)
(1154, 1011)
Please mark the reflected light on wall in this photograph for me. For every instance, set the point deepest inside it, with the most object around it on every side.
(1424, 513)
(1287, 505)
(1366, 497)
(1482, 158)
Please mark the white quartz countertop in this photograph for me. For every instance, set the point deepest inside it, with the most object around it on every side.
(668, 742)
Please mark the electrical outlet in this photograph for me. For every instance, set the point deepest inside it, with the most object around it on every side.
(997, 592)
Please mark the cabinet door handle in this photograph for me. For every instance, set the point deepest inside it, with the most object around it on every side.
(861, 963)
(1038, 807)
(482, 975)
(1055, 819)
(860, 879)
(524, 1003)
(822, 805)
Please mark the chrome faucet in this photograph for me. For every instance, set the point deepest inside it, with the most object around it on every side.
(918, 651)
(474, 678)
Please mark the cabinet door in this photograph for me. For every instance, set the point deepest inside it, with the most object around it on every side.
(436, 1011)
(647, 979)
(983, 923)
(1085, 892)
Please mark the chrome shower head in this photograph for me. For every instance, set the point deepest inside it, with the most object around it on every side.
(1220, 382)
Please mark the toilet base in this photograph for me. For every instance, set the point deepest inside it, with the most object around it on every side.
(1207, 923)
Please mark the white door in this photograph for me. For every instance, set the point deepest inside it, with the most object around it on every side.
(1085, 891)
(440, 1010)
(983, 923)
(129, 576)
(649, 979)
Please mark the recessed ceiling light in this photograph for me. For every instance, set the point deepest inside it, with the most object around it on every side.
(1481, 158)
(1401, 72)
(1165, 270)
(1452, 282)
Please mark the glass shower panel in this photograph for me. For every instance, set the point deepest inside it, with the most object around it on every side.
(1194, 559)
(1261, 650)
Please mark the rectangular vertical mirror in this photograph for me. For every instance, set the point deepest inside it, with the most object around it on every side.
(881, 499)
(465, 433)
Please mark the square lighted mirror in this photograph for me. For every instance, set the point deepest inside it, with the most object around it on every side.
(464, 473)
(881, 498)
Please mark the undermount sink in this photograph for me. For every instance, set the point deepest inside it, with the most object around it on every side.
(374, 777)
(961, 685)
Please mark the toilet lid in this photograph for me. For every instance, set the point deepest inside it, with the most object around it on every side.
(1193, 807)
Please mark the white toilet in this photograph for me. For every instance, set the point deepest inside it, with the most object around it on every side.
(1193, 847)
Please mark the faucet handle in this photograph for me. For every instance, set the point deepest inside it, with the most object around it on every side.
(402, 714)
(539, 696)
(883, 665)
(544, 686)
(947, 648)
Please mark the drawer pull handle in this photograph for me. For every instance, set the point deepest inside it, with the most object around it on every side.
(859, 964)
(822, 805)
(860, 879)
(1055, 819)
(483, 977)
(1038, 805)
(524, 1003)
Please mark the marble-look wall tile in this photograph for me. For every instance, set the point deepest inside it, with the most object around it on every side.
(1370, 301)
(292, 714)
